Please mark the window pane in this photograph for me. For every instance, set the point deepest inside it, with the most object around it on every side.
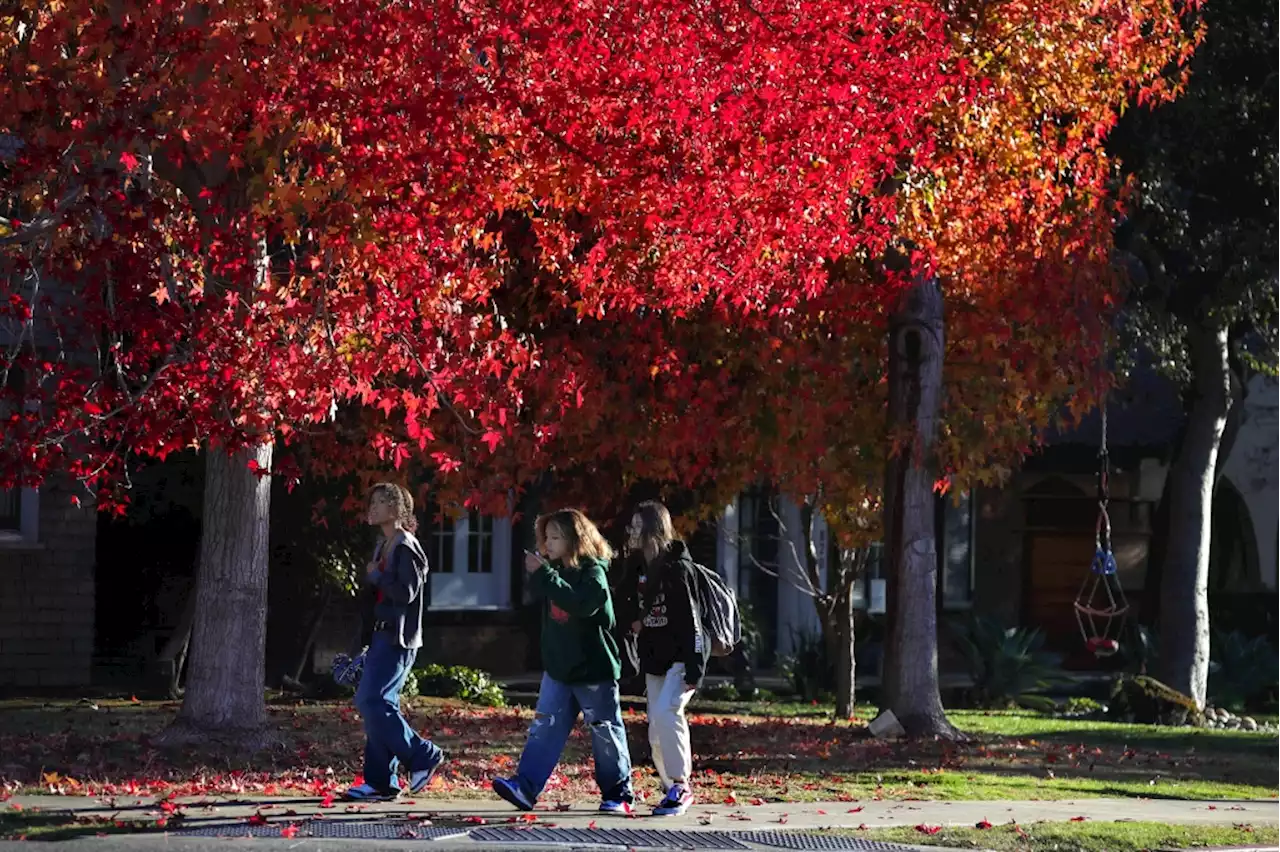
(480, 544)
(442, 545)
(11, 509)
(958, 547)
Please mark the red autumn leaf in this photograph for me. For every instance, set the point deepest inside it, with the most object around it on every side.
(928, 829)
(327, 801)
(474, 820)
(257, 819)
(128, 160)
(858, 809)
(983, 824)
(290, 830)
(591, 824)
(757, 801)
(1078, 818)
(731, 799)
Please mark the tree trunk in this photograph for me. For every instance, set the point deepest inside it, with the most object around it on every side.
(1184, 592)
(325, 597)
(174, 654)
(226, 673)
(910, 682)
(834, 606)
(843, 659)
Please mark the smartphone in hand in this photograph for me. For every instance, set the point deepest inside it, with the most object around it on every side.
(532, 560)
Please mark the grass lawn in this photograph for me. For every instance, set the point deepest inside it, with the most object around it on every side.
(793, 754)
(1082, 837)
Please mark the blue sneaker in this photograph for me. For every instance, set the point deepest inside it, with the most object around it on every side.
(419, 779)
(369, 793)
(612, 806)
(508, 789)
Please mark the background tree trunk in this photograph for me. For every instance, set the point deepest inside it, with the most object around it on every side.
(910, 683)
(842, 616)
(1184, 581)
(833, 604)
(174, 655)
(226, 671)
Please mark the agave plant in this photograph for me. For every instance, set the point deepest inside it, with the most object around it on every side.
(1009, 665)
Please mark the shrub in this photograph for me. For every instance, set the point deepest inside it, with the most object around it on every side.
(720, 692)
(472, 685)
(808, 670)
(1242, 671)
(1008, 664)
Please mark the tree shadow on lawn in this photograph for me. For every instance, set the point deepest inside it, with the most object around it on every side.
(323, 743)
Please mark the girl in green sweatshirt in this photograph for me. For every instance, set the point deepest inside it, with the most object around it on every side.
(580, 662)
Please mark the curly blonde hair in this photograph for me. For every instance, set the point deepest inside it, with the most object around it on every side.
(583, 537)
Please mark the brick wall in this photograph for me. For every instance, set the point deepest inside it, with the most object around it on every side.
(47, 596)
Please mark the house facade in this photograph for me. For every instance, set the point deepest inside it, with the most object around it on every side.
(46, 588)
(1020, 552)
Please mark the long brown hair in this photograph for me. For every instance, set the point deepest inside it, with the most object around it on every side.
(656, 528)
(584, 538)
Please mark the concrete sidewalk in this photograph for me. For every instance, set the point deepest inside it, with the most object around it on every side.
(742, 816)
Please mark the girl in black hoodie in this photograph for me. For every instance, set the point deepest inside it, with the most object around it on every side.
(660, 602)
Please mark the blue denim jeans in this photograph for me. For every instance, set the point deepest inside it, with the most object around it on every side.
(554, 717)
(389, 741)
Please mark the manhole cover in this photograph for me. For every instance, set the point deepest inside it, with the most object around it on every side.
(348, 830)
(626, 837)
(810, 840)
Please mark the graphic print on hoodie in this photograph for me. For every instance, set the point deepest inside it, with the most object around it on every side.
(670, 629)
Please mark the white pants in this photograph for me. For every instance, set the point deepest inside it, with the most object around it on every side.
(668, 728)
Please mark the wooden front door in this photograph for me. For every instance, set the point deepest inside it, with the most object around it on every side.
(1057, 564)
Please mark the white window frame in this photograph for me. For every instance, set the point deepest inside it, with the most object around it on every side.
(28, 532)
(467, 589)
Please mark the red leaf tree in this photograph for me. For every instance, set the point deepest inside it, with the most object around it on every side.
(220, 222)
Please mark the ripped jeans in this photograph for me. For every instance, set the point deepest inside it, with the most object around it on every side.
(556, 713)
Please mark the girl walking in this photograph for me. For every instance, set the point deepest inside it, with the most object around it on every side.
(580, 664)
(398, 575)
(662, 602)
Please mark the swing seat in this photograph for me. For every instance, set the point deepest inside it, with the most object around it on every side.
(1102, 646)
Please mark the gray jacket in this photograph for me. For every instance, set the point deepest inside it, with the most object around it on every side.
(402, 584)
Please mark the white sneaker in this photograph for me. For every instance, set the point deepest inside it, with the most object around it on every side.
(677, 801)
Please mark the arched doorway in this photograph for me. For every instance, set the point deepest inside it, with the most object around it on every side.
(1233, 543)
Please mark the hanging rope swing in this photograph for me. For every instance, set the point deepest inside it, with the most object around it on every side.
(1101, 606)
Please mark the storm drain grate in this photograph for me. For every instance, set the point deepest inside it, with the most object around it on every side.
(515, 837)
(347, 830)
(627, 837)
(810, 840)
